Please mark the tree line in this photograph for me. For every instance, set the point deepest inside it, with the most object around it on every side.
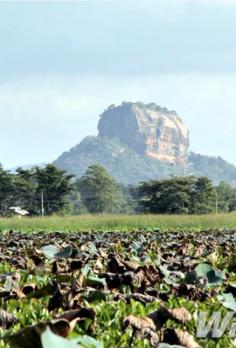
(54, 191)
(26, 187)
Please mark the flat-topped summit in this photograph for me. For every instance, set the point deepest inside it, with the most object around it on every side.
(148, 129)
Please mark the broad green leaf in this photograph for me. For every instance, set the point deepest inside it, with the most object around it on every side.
(227, 301)
(50, 340)
(213, 277)
(203, 269)
(89, 342)
(64, 253)
(93, 279)
(86, 270)
(50, 251)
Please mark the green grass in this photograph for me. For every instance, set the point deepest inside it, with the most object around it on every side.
(119, 222)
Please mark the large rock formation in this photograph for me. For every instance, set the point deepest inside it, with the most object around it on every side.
(138, 142)
(147, 129)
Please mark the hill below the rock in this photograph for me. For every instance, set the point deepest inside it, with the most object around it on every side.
(138, 142)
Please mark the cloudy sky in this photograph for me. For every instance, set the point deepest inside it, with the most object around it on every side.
(62, 63)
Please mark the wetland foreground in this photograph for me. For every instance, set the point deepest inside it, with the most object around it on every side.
(117, 289)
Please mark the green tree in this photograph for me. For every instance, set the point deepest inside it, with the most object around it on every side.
(99, 192)
(178, 195)
(170, 196)
(203, 196)
(53, 183)
(6, 191)
(226, 196)
(25, 186)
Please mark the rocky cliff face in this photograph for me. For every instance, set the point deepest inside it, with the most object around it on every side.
(139, 142)
(147, 129)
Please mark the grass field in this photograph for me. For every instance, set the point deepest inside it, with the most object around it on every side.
(120, 223)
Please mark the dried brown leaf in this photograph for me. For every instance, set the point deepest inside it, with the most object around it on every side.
(180, 337)
(144, 327)
(7, 319)
(61, 327)
(139, 323)
(160, 316)
(180, 314)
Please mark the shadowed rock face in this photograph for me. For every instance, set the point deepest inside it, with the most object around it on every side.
(147, 129)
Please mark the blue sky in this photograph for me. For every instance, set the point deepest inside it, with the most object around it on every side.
(62, 63)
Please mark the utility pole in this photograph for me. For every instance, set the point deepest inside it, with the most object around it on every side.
(42, 204)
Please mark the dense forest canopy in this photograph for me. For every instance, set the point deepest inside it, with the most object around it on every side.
(54, 191)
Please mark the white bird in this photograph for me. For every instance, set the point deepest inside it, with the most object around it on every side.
(19, 211)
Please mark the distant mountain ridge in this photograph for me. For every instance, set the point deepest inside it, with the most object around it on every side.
(138, 142)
